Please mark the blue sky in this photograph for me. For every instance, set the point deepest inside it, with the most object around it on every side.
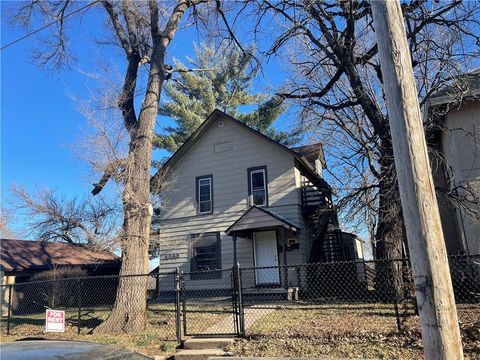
(39, 119)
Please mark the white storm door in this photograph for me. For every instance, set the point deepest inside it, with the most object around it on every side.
(265, 245)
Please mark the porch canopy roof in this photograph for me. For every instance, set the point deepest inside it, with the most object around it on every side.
(257, 218)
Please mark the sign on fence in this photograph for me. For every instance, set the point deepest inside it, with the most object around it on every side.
(55, 321)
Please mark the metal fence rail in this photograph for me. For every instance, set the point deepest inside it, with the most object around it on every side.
(242, 301)
(379, 290)
(87, 302)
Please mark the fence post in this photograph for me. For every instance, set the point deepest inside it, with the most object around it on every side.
(234, 293)
(393, 291)
(409, 279)
(178, 328)
(238, 285)
(299, 278)
(79, 303)
(9, 308)
(184, 302)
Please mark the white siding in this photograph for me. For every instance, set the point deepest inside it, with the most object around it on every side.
(229, 166)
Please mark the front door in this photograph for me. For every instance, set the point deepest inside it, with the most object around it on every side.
(265, 245)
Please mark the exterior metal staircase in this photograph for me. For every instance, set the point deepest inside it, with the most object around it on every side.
(318, 208)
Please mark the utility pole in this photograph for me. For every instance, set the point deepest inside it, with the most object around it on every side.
(433, 286)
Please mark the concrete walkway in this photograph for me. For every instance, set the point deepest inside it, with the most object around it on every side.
(202, 349)
(252, 315)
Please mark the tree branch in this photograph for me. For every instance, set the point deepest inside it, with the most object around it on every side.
(121, 34)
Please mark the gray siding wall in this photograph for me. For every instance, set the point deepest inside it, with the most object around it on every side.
(179, 217)
(461, 146)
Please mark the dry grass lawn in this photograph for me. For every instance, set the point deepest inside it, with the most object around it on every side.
(157, 339)
(347, 331)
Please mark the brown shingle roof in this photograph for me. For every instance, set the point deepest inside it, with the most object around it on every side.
(20, 255)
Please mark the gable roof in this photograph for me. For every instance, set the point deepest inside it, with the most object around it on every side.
(459, 88)
(300, 161)
(258, 218)
(311, 152)
(20, 255)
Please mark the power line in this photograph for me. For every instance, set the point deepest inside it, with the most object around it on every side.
(48, 25)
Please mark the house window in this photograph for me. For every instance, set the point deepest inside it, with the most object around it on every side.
(205, 256)
(257, 186)
(205, 194)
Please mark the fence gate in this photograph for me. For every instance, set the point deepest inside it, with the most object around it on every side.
(211, 303)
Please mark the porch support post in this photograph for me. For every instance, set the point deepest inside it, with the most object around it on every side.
(234, 238)
(283, 240)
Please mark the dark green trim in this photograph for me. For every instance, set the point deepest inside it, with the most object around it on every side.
(249, 172)
(197, 194)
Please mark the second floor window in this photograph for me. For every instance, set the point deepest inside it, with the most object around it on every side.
(205, 194)
(257, 186)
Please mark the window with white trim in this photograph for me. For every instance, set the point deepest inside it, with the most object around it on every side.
(205, 194)
(257, 181)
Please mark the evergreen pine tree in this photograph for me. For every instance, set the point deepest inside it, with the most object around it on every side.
(222, 81)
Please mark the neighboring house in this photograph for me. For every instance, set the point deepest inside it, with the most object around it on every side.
(352, 246)
(20, 260)
(454, 142)
(231, 194)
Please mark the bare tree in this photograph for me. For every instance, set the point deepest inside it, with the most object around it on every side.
(48, 216)
(6, 217)
(143, 30)
(54, 293)
(338, 84)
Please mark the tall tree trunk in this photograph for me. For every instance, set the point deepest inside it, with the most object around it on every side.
(129, 313)
(390, 232)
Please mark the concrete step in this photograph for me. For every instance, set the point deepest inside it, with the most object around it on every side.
(207, 343)
(199, 354)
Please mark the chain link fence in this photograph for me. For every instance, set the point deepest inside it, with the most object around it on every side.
(87, 302)
(341, 298)
(346, 298)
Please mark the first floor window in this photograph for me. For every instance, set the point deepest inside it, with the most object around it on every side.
(205, 194)
(205, 255)
(257, 186)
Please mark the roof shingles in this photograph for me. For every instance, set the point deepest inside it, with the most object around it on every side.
(21, 255)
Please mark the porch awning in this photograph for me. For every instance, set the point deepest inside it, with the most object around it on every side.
(257, 218)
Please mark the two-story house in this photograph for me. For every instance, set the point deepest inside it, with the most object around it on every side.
(231, 194)
(454, 140)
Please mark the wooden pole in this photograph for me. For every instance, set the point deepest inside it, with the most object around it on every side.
(436, 303)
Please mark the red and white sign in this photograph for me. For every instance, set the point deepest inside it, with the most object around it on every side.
(55, 321)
